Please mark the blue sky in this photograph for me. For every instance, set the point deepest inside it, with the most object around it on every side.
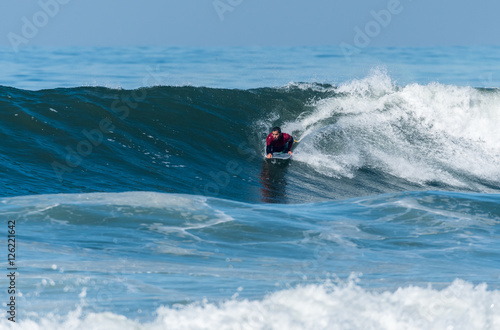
(249, 22)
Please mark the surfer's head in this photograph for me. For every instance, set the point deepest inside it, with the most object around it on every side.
(276, 131)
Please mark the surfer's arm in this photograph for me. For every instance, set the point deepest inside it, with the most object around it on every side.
(269, 147)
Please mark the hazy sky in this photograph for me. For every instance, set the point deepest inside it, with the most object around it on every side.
(249, 22)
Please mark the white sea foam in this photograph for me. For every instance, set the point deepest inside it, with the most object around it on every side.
(133, 198)
(190, 207)
(421, 133)
(461, 305)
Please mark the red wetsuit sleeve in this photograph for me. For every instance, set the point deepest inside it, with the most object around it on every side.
(269, 139)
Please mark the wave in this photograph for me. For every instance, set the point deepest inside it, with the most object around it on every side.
(366, 136)
(158, 260)
(293, 240)
(346, 305)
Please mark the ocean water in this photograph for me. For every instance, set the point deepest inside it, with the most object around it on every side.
(134, 182)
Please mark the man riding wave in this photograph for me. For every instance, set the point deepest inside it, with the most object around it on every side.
(278, 142)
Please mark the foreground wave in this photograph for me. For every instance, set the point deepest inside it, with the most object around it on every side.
(366, 136)
(325, 306)
(130, 253)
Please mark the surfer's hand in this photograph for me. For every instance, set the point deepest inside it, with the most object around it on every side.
(269, 155)
(290, 153)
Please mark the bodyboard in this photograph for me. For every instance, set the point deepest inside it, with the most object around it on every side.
(280, 155)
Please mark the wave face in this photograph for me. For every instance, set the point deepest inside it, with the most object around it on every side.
(366, 136)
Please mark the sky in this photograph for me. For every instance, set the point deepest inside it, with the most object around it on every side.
(249, 23)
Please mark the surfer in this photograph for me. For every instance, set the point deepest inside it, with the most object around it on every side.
(278, 142)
